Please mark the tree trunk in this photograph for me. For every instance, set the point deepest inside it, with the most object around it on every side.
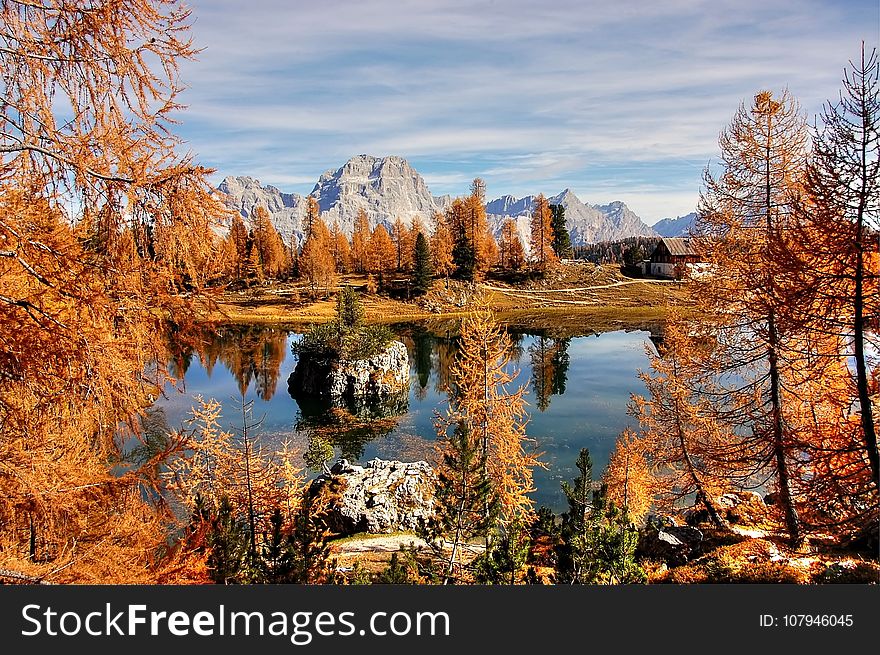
(779, 447)
(702, 496)
(868, 431)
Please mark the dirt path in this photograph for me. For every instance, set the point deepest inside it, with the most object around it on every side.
(386, 543)
(620, 283)
(381, 543)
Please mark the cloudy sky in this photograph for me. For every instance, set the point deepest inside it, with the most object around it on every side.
(616, 100)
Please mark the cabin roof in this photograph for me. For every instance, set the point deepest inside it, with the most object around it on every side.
(679, 246)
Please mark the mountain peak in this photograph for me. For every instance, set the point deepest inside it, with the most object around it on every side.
(675, 227)
(388, 188)
(586, 223)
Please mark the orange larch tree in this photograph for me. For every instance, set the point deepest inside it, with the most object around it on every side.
(316, 263)
(101, 226)
(269, 244)
(541, 242)
(382, 253)
(313, 213)
(360, 242)
(628, 479)
(841, 218)
(746, 223)
(341, 248)
(681, 437)
(511, 254)
(404, 243)
(441, 247)
(494, 414)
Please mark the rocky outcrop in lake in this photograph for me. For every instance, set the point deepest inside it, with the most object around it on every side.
(383, 375)
(379, 497)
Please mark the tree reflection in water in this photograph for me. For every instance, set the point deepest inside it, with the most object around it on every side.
(347, 424)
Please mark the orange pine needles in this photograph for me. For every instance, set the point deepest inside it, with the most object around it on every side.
(105, 233)
(495, 414)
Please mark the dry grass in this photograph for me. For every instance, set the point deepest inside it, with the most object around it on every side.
(577, 297)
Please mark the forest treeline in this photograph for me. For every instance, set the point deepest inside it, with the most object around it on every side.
(459, 243)
(627, 252)
(108, 240)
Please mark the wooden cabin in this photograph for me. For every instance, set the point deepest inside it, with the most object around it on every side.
(671, 258)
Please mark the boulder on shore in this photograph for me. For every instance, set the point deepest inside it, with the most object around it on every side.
(379, 497)
(380, 376)
(673, 544)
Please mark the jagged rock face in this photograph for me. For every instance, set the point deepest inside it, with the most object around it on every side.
(586, 223)
(675, 227)
(379, 497)
(287, 210)
(510, 206)
(385, 188)
(381, 376)
(620, 222)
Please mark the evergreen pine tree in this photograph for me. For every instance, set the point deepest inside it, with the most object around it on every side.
(228, 542)
(349, 310)
(276, 557)
(578, 525)
(561, 238)
(506, 558)
(461, 499)
(308, 543)
(597, 541)
(396, 573)
(464, 258)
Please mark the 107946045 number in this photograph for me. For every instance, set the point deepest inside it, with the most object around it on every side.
(817, 620)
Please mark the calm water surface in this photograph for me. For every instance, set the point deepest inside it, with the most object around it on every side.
(577, 392)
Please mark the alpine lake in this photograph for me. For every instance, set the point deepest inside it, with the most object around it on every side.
(578, 386)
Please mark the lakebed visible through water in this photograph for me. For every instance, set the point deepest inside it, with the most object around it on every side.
(577, 390)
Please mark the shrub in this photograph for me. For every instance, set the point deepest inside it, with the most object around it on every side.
(345, 337)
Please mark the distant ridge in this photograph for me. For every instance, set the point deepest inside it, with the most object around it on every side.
(387, 188)
(675, 227)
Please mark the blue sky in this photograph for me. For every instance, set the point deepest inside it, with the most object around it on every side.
(616, 100)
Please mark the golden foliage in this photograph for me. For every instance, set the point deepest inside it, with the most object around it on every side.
(495, 414)
(316, 263)
(83, 297)
(404, 244)
(254, 480)
(746, 228)
(269, 245)
(682, 437)
(543, 255)
(341, 248)
(467, 223)
(512, 255)
(382, 253)
(628, 476)
(360, 243)
(441, 247)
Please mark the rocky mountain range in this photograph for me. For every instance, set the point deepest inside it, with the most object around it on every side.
(675, 227)
(586, 223)
(388, 187)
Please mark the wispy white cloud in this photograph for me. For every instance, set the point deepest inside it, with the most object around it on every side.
(523, 94)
